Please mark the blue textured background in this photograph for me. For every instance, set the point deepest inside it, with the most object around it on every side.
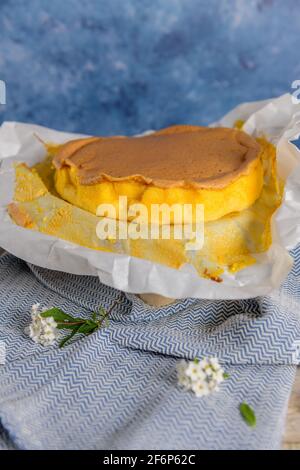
(122, 66)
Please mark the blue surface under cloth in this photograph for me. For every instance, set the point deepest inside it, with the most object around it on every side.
(117, 388)
(121, 67)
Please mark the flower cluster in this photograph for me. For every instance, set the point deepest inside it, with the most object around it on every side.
(201, 376)
(42, 330)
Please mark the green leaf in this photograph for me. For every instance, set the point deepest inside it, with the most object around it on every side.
(91, 322)
(67, 338)
(226, 376)
(248, 414)
(196, 360)
(58, 315)
(87, 328)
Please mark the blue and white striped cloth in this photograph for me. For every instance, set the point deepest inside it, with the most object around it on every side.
(117, 388)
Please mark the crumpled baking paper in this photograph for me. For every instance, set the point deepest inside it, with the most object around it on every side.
(278, 119)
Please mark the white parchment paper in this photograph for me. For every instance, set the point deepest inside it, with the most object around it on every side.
(278, 119)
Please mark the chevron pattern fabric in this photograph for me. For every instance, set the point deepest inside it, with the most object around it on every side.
(117, 389)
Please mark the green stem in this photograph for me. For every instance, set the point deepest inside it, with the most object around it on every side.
(109, 312)
(80, 322)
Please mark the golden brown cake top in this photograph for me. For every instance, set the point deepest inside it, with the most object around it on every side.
(200, 157)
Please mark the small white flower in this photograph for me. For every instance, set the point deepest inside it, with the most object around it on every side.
(203, 363)
(214, 361)
(194, 371)
(209, 371)
(35, 308)
(200, 388)
(201, 377)
(41, 330)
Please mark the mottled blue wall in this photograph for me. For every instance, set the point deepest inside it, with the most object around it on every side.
(122, 66)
